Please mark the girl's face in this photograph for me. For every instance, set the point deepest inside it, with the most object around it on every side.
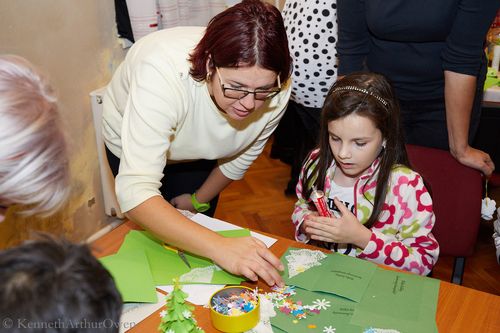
(248, 79)
(355, 143)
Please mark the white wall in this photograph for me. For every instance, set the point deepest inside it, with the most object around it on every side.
(74, 43)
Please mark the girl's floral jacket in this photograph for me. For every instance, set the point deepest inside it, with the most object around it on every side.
(402, 236)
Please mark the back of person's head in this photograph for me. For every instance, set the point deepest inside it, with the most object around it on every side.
(367, 95)
(34, 167)
(249, 33)
(52, 285)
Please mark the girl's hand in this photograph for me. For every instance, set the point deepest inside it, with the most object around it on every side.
(183, 201)
(302, 228)
(249, 257)
(345, 229)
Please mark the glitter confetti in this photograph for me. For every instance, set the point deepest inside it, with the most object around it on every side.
(235, 303)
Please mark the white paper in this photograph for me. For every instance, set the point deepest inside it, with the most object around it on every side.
(219, 225)
(198, 294)
(133, 313)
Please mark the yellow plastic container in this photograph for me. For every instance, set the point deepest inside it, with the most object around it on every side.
(233, 324)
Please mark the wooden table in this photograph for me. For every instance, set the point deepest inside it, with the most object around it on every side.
(459, 309)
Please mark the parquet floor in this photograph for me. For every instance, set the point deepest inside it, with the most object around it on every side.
(258, 202)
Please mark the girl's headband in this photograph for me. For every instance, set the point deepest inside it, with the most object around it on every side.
(362, 90)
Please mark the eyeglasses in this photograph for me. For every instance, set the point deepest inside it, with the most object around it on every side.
(258, 94)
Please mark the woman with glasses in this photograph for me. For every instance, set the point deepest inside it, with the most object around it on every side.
(185, 114)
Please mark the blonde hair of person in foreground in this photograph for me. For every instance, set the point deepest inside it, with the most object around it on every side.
(34, 170)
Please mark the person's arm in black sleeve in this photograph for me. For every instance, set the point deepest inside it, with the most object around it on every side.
(462, 60)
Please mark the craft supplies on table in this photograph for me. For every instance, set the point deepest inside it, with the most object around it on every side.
(235, 309)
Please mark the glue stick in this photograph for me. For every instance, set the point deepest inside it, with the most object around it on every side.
(318, 198)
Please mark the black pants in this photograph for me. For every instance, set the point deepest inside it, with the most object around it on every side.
(178, 178)
(424, 122)
(306, 138)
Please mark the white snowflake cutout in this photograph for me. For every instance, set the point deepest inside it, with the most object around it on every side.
(321, 304)
(329, 329)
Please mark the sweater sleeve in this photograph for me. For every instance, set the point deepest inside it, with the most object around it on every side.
(402, 236)
(353, 40)
(465, 44)
(153, 110)
(235, 167)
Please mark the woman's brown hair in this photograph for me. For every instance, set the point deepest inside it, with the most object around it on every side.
(247, 34)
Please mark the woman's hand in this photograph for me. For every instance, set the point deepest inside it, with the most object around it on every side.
(346, 229)
(183, 201)
(249, 257)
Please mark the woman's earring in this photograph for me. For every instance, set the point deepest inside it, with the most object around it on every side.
(208, 77)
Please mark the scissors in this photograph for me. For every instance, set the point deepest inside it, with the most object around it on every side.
(179, 253)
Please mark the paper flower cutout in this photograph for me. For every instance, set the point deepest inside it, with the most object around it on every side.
(329, 329)
(163, 313)
(488, 207)
(321, 304)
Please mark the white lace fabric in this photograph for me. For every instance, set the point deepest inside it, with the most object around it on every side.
(298, 261)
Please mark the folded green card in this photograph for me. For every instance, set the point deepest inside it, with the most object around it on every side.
(402, 301)
(132, 276)
(337, 274)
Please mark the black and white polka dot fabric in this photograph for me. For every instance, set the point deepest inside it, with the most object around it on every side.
(312, 35)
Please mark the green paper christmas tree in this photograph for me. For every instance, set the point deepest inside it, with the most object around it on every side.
(178, 316)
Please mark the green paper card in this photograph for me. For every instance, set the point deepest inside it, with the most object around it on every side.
(401, 301)
(235, 233)
(166, 265)
(334, 314)
(132, 276)
(337, 274)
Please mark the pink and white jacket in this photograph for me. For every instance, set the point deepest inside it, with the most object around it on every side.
(401, 237)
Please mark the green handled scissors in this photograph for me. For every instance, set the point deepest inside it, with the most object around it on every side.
(179, 253)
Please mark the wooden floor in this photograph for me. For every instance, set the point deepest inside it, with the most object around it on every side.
(258, 202)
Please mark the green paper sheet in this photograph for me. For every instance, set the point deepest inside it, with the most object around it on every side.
(132, 276)
(401, 301)
(166, 265)
(338, 274)
(492, 79)
(491, 82)
(234, 233)
(336, 316)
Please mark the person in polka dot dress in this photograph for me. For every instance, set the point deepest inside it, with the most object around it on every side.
(312, 36)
